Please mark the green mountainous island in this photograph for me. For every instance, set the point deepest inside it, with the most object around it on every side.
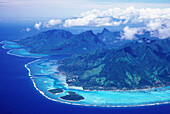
(103, 61)
(61, 41)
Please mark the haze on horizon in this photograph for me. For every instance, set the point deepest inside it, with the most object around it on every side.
(146, 15)
(47, 9)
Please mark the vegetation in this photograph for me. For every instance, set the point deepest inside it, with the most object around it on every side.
(61, 41)
(72, 96)
(133, 66)
(55, 91)
(138, 64)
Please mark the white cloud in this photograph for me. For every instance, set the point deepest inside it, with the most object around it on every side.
(116, 23)
(91, 20)
(126, 21)
(84, 21)
(37, 25)
(155, 20)
(129, 33)
(102, 22)
(164, 33)
(154, 24)
(117, 16)
(159, 28)
(27, 29)
(52, 22)
(94, 18)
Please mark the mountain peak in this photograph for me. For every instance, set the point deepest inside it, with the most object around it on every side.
(105, 30)
(90, 32)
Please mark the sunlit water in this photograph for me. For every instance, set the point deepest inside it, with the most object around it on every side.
(44, 75)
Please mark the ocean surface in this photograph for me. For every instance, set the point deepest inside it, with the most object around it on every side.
(18, 95)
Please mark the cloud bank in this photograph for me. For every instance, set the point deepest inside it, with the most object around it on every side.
(37, 25)
(117, 16)
(129, 33)
(52, 22)
(154, 20)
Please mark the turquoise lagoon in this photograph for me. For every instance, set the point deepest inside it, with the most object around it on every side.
(44, 75)
(19, 51)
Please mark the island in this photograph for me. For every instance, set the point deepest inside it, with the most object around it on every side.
(120, 74)
(62, 42)
(133, 66)
(73, 96)
(105, 62)
(55, 91)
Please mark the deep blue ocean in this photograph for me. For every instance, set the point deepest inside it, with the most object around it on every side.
(18, 95)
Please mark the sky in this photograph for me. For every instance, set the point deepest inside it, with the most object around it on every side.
(46, 9)
(152, 15)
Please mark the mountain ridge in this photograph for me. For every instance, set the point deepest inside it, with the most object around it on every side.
(133, 66)
(108, 64)
(61, 41)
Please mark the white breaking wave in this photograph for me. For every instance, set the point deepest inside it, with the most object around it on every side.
(87, 102)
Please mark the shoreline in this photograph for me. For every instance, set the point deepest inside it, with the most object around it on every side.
(152, 104)
(64, 101)
(19, 48)
(130, 90)
(151, 88)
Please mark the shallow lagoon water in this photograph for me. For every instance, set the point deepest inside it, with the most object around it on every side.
(44, 74)
(19, 51)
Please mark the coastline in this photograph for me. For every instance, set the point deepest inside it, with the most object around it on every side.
(131, 89)
(93, 105)
(151, 88)
(65, 101)
(152, 104)
(73, 102)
